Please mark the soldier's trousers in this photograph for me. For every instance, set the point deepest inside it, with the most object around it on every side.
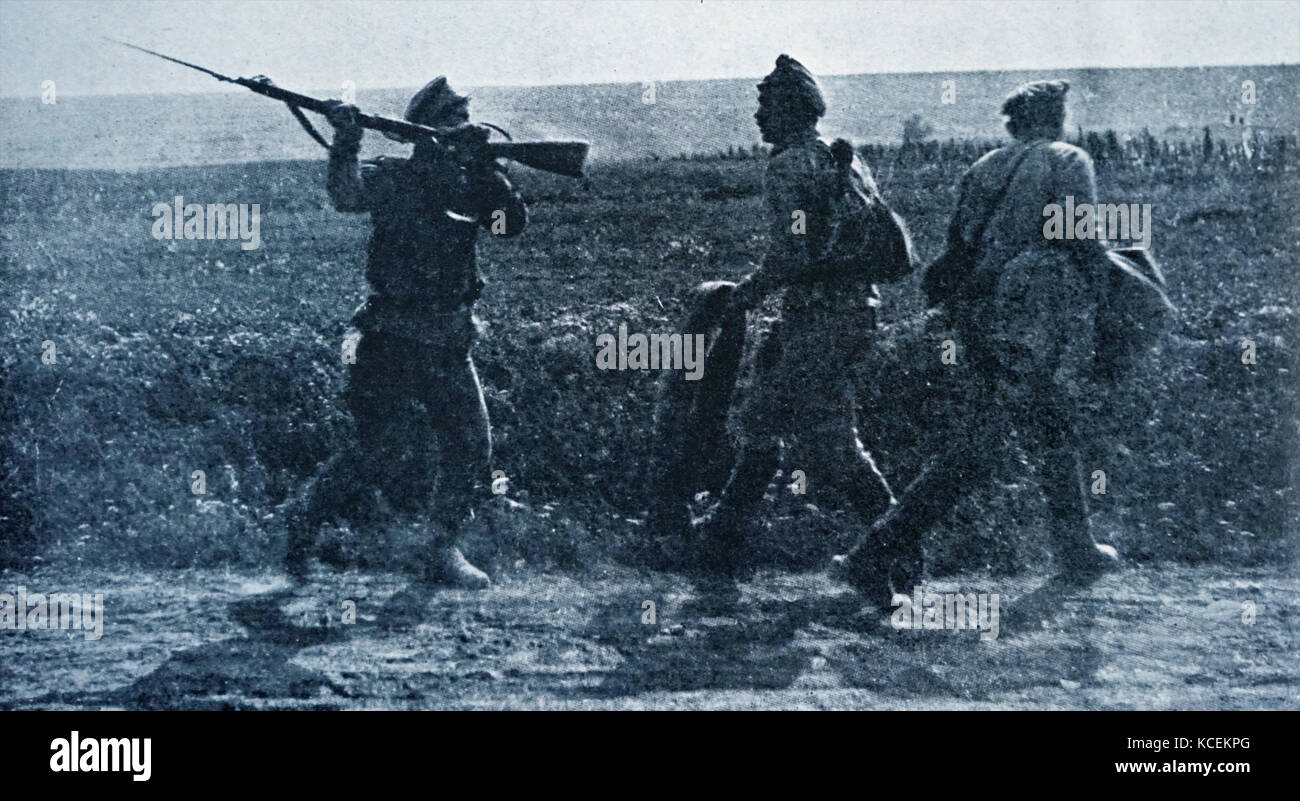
(422, 447)
(803, 396)
(968, 459)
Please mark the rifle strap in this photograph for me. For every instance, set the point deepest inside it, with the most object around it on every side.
(306, 125)
(949, 276)
(1001, 195)
(499, 130)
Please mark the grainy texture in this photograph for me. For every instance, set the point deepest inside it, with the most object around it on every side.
(1169, 638)
(199, 381)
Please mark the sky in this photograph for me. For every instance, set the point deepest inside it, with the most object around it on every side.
(310, 44)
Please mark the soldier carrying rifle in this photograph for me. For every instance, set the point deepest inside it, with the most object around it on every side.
(413, 390)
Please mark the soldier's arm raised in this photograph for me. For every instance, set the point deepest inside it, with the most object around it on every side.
(344, 182)
(500, 208)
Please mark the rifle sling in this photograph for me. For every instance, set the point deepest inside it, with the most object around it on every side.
(1001, 195)
(957, 243)
(307, 126)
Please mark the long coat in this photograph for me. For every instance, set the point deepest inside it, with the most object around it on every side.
(1033, 304)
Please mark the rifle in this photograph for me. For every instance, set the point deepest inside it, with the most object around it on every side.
(563, 158)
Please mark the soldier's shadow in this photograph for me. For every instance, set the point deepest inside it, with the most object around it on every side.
(238, 672)
(722, 648)
(1036, 644)
(770, 644)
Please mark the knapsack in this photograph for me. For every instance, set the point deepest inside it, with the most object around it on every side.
(864, 232)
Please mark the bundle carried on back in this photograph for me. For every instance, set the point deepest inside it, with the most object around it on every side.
(863, 242)
(865, 232)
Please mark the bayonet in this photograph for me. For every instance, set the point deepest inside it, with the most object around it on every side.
(563, 158)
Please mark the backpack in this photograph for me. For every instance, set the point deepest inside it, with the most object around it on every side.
(864, 233)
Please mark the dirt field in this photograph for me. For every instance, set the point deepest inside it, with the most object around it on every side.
(176, 357)
(1169, 638)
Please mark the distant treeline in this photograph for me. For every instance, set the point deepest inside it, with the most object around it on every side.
(1254, 151)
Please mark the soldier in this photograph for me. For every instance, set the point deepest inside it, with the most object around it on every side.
(413, 390)
(1025, 317)
(801, 392)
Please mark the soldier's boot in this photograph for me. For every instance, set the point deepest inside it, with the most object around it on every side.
(325, 497)
(718, 554)
(296, 565)
(303, 544)
(882, 565)
(448, 567)
(712, 563)
(1081, 560)
(332, 555)
(888, 558)
(445, 565)
(1085, 566)
(669, 536)
(874, 569)
(302, 547)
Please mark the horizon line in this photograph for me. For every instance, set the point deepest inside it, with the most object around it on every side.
(232, 90)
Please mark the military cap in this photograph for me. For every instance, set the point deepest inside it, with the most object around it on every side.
(791, 82)
(430, 103)
(1037, 101)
